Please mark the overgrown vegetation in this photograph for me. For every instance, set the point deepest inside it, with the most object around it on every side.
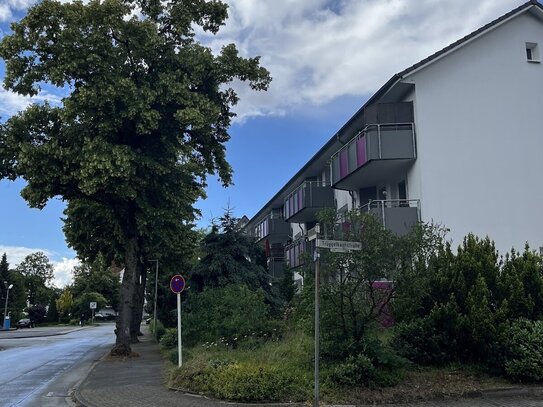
(473, 307)
(469, 312)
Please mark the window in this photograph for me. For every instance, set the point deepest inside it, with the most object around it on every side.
(532, 52)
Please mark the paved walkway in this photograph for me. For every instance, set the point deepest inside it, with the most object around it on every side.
(139, 382)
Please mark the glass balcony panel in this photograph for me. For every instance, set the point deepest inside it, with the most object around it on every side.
(361, 158)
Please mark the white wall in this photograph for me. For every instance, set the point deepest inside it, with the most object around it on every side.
(479, 124)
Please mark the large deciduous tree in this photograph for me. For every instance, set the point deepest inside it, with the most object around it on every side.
(144, 121)
(37, 271)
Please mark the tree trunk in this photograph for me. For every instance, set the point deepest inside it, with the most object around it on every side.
(139, 299)
(128, 287)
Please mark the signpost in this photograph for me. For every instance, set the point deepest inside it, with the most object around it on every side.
(177, 285)
(92, 305)
(340, 246)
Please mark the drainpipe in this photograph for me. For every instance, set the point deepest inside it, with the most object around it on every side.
(353, 200)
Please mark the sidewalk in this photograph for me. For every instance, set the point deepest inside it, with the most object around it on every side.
(139, 382)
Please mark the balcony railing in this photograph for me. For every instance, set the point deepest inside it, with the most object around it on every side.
(276, 266)
(374, 142)
(295, 252)
(397, 215)
(272, 225)
(303, 203)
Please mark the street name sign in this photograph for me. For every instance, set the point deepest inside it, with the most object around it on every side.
(342, 246)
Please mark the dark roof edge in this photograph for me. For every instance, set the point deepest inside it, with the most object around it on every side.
(293, 178)
(400, 75)
(471, 35)
(383, 89)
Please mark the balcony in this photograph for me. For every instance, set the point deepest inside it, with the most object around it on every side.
(376, 154)
(275, 267)
(396, 215)
(303, 204)
(297, 252)
(273, 227)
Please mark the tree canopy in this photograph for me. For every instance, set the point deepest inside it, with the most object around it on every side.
(38, 273)
(145, 119)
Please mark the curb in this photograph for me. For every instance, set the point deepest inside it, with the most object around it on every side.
(535, 392)
(76, 396)
(237, 403)
(46, 335)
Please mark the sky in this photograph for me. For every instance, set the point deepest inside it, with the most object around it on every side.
(326, 58)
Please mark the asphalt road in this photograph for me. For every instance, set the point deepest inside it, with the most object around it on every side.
(42, 371)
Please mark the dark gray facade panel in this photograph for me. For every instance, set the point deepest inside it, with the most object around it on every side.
(396, 143)
(398, 220)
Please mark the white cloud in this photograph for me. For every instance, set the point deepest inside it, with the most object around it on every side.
(5, 12)
(21, 4)
(16, 254)
(62, 270)
(11, 103)
(319, 50)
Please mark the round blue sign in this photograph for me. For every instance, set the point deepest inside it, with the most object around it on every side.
(177, 284)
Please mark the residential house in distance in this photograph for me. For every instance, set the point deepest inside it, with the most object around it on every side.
(456, 139)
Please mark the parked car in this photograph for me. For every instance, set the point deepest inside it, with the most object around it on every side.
(24, 323)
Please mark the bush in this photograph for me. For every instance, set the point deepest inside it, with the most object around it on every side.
(169, 339)
(173, 356)
(523, 359)
(355, 371)
(251, 382)
(420, 342)
(159, 330)
(378, 365)
(230, 313)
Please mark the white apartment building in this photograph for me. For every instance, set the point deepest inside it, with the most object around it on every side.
(456, 139)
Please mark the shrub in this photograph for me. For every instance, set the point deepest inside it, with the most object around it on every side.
(169, 339)
(227, 312)
(523, 359)
(356, 370)
(420, 342)
(378, 365)
(251, 382)
(159, 330)
(173, 356)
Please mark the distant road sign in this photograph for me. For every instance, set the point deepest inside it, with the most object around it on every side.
(177, 284)
(93, 305)
(342, 246)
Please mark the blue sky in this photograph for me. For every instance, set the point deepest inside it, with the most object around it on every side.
(326, 58)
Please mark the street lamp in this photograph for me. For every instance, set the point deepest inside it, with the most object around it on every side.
(156, 288)
(6, 305)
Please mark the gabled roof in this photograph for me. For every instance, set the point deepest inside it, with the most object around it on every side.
(441, 53)
(336, 138)
(471, 36)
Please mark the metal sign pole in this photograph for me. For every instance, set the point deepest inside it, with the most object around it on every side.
(317, 328)
(179, 329)
(317, 319)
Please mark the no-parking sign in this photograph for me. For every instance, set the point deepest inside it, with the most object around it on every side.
(177, 284)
